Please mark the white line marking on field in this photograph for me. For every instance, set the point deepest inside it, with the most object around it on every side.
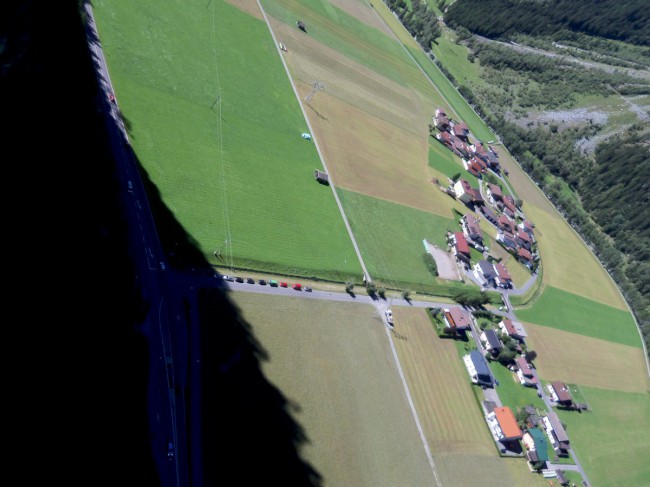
(415, 414)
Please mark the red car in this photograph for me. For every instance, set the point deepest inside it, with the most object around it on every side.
(283, 284)
(297, 286)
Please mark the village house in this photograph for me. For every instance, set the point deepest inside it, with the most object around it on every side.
(491, 342)
(493, 160)
(461, 131)
(513, 329)
(478, 369)
(494, 194)
(479, 151)
(441, 121)
(525, 373)
(523, 239)
(459, 146)
(502, 278)
(475, 167)
(503, 425)
(525, 257)
(527, 227)
(508, 240)
(484, 272)
(464, 192)
(560, 393)
(556, 433)
(460, 248)
(506, 224)
(509, 207)
(457, 319)
(536, 446)
(489, 214)
(445, 138)
(471, 228)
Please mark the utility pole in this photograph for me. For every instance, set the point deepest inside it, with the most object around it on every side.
(316, 86)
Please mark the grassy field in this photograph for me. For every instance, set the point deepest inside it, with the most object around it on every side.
(612, 442)
(445, 161)
(207, 164)
(511, 392)
(565, 311)
(333, 363)
(569, 357)
(455, 57)
(390, 239)
(462, 447)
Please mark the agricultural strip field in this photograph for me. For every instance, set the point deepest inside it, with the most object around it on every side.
(573, 358)
(333, 361)
(565, 311)
(390, 239)
(568, 263)
(451, 418)
(238, 171)
(612, 441)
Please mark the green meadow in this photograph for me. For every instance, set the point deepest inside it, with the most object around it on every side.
(570, 312)
(448, 163)
(613, 441)
(511, 392)
(221, 143)
(390, 238)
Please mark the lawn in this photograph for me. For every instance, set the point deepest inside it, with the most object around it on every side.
(565, 311)
(390, 240)
(612, 442)
(454, 57)
(445, 161)
(333, 363)
(511, 392)
(206, 162)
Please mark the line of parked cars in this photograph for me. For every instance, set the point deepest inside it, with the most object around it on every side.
(271, 282)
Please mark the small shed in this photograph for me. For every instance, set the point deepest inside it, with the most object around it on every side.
(321, 177)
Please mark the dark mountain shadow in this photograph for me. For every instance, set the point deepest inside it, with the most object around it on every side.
(79, 390)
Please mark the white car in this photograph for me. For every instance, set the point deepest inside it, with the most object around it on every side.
(389, 316)
(227, 278)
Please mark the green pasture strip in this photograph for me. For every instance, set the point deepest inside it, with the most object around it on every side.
(511, 392)
(560, 309)
(392, 22)
(454, 57)
(444, 160)
(455, 100)
(238, 171)
(340, 31)
(612, 440)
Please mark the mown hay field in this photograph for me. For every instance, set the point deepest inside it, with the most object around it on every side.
(559, 309)
(222, 144)
(612, 441)
(573, 358)
(333, 362)
(451, 418)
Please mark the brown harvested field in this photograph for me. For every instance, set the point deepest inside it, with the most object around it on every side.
(249, 6)
(360, 10)
(332, 361)
(568, 263)
(451, 418)
(588, 361)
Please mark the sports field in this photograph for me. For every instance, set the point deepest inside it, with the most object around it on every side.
(451, 418)
(333, 361)
(221, 143)
(559, 309)
(573, 358)
(612, 442)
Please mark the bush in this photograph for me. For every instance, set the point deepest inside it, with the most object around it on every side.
(430, 262)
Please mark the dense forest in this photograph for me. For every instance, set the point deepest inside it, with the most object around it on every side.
(627, 21)
(419, 20)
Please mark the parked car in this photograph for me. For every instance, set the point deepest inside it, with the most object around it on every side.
(250, 280)
(262, 282)
(283, 284)
(307, 288)
(389, 316)
(297, 286)
(239, 279)
(170, 450)
(273, 282)
(225, 277)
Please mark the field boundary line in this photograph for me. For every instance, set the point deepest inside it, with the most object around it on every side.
(320, 154)
(412, 406)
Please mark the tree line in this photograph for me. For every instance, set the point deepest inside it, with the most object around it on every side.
(627, 21)
(420, 21)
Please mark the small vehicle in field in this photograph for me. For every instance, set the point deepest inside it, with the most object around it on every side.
(273, 283)
(227, 278)
(283, 284)
(239, 279)
(307, 288)
(262, 282)
(389, 316)
(297, 286)
(250, 280)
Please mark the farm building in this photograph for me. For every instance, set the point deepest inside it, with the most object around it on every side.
(321, 177)
(478, 368)
(513, 329)
(556, 433)
(458, 319)
(560, 393)
(503, 425)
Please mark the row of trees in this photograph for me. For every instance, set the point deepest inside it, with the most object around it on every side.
(421, 22)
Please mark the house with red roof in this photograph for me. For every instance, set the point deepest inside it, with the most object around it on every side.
(503, 425)
(523, 239)
(525, 257)
(460, 130)
(513, 329)
(525, 373)
(458, 319)
(506, 224)
(527, 227)
(464, 191)
(460, 248)
(471, 228)
(502, 278)
(441, 121)
(494, 194)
